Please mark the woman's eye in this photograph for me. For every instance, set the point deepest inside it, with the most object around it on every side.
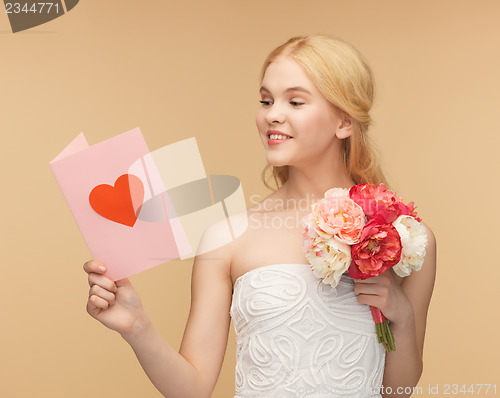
(295, 103)
(265, 102)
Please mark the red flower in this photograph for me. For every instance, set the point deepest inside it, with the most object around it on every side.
(378, 250)
(406, 209)
(380, 202)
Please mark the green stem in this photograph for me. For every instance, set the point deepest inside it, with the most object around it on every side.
(385, 337)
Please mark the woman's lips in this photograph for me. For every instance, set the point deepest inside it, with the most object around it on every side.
(277, 141)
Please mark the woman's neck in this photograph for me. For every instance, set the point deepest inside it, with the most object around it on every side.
(310, 185)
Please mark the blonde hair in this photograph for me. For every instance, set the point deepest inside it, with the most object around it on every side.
(345, 79)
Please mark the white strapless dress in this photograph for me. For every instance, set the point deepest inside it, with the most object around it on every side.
(298, 337)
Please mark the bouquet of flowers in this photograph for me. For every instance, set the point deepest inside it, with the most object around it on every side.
(364, 230)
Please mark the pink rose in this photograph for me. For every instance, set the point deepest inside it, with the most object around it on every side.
(339, 217)
(378, 250)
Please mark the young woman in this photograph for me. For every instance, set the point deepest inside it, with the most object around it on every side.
(296, 337)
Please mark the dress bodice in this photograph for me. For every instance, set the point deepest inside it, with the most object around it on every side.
(298, 337)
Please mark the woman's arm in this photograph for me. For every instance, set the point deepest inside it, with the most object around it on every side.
(194, 370)
(405, 305)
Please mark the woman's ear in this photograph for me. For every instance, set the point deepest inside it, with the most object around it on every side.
(345, 128)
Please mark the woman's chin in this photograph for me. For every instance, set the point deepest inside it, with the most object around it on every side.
(277, 163)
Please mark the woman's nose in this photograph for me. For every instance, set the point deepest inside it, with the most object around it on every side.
(275, 114)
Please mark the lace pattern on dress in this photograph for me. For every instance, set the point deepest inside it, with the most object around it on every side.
(298, 337)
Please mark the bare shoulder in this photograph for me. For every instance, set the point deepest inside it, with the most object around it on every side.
(219, 241)
(430, 260)
(421, 283)
(431, 239)
(214, 244)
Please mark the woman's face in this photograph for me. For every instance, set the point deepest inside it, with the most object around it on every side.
(292, 106)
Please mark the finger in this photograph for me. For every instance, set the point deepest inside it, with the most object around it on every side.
(102, 293)
(373, 300)
(363, 288)
(92, 309)
(98, 302)
(122, 282)
(103, 281)
(94, 266)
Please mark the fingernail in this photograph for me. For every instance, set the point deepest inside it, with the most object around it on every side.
(102, 268)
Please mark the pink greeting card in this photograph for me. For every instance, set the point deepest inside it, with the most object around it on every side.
(106, 199)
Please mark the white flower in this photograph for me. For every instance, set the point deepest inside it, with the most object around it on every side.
(329, 259)
(413, 242)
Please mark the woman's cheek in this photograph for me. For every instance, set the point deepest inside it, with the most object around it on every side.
(309, 123)
(260, 126)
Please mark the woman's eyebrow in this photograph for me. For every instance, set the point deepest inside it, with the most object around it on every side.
(297, 88)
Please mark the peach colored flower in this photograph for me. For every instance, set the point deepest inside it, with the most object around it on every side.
(338, 216)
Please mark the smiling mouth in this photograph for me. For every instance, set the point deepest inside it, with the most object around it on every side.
(278, 137)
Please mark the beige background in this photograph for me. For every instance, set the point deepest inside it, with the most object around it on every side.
(183, 69)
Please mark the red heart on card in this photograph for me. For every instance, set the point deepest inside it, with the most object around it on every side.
(119, 203)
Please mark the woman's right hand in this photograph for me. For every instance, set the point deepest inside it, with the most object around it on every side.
(115, 304)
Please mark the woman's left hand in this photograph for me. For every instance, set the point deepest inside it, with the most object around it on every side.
(385, 293)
